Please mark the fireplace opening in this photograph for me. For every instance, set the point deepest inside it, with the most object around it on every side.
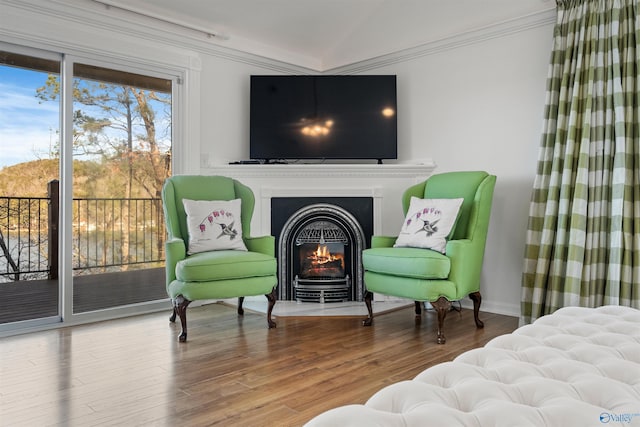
(321, 261)
(320, 273)
(319, 255)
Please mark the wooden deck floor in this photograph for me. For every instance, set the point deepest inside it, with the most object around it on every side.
(233, 371)
(26, 300)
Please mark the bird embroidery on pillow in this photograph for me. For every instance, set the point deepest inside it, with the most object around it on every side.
(429, 227)
(228, 230)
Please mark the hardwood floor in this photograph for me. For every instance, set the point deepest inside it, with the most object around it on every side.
(233, 371)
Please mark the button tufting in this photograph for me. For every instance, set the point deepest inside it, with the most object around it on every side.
(576, 367)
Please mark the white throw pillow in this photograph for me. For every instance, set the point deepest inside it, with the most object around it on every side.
(428, 223)
(213, 225)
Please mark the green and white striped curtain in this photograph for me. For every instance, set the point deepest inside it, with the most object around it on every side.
(583, 236)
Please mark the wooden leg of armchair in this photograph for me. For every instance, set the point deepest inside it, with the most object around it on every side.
(442, 306)
(240, 309)
(180, 308)
(418, 310)
(368, 296)
(477, 300)
(272, 301)
(173, 315)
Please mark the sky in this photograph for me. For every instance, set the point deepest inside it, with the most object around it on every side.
(28, 129)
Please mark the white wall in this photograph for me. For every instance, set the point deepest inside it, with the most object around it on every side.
(225, 110)
(480, 107)
(471, 103)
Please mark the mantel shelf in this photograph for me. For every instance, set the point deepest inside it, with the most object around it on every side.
(323, 170)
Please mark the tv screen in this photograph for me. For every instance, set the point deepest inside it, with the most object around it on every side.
(323, 117)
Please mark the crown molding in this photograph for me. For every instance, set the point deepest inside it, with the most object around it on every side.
(502, 29)
(123, 24)
(120, 24)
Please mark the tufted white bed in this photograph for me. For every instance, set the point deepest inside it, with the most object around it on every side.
(575, 367)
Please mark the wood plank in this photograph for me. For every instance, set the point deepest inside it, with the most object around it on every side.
(232, 371)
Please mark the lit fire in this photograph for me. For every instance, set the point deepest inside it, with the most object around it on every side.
(320, 262)
(322, 255)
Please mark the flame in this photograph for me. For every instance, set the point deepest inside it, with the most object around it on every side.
(318, 261)
(322, 255)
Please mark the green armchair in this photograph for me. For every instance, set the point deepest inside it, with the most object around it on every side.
(215, 274)
(427, 275)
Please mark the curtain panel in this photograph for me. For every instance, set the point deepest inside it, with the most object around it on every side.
(582, 242)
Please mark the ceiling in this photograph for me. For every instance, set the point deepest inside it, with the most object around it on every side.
(324, 34)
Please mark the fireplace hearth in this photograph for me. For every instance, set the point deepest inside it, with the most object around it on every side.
(319, 255)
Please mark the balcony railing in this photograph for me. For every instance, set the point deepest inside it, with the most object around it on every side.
(108, 235)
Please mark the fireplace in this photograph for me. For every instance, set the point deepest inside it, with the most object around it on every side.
(370, 192)
(319, 253)
(320, 246)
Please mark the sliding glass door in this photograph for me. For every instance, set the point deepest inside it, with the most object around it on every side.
(121, 157)
(29, 174)
(83, 161)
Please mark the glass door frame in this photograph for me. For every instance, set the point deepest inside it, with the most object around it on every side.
(41, 322)
(66, 316)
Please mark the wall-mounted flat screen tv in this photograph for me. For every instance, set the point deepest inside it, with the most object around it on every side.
(323, 117)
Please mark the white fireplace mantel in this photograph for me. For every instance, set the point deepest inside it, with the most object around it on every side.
(385, 183)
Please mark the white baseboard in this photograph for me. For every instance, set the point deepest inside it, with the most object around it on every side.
(496, 308)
